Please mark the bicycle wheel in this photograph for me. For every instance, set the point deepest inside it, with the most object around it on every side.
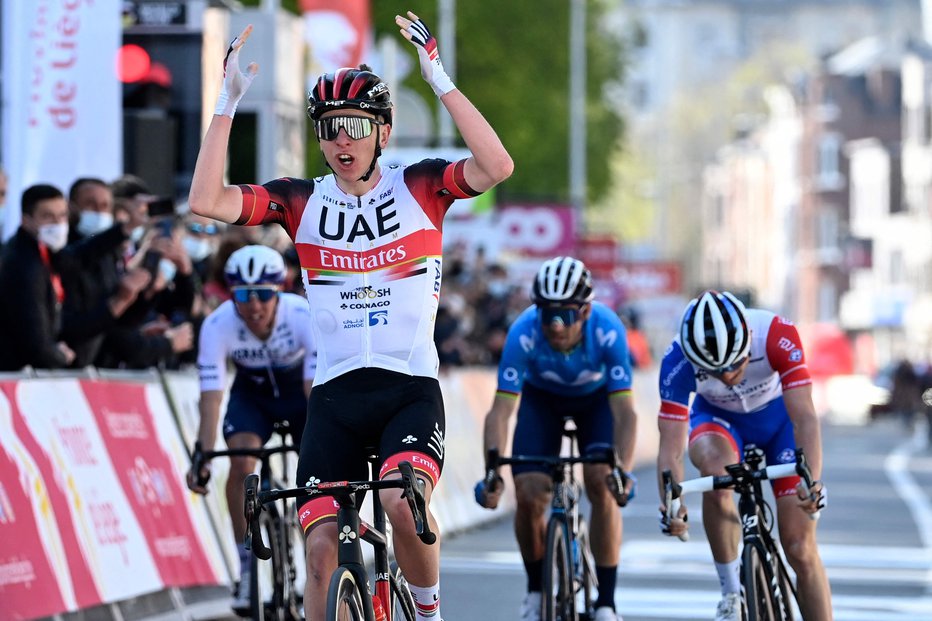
(291, 573)
(759, 599)
(788, 604)
(586, 582)
(265, 591)
(402, 605)
(559, 598)
(344, 597)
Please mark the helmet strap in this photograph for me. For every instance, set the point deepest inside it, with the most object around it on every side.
(375, 155)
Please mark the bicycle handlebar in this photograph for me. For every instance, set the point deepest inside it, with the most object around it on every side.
(412, 489)
(200, 457)
(738, 475)
(494, 459)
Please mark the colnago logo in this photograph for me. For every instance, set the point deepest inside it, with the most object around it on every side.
(357, 261)
(362, 293)
(358, 305)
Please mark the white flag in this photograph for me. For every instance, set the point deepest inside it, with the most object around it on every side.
(62, 109)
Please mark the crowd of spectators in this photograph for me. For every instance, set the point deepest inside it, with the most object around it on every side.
(113, 276)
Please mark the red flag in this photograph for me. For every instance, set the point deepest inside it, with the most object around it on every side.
(339, 32)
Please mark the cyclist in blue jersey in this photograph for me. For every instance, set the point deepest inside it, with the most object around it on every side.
(267, 335)
(566, 355)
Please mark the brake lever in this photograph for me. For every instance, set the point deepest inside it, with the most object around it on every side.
(252, 508)
(671, 500)
(414, 493)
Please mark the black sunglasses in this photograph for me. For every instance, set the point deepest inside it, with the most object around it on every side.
(564, 315)
(203, 229)
(356, 127)
(731, 367)
(242, 295)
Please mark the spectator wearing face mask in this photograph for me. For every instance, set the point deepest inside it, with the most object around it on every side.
(102, 273)
(31, 290)
(200, 241)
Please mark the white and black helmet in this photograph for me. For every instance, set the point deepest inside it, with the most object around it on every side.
(255, 265)
(562, 280)
(714, 333)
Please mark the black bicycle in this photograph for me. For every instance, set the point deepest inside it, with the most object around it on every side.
(569, 580)
(274, 593)
(769, 593)
(349, 597)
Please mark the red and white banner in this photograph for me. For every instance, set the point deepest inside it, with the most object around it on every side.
(62, 113)
(339, 33)
(93, 507)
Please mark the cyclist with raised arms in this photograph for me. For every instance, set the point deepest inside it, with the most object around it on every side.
(369, 242)
(565, 356)
(747, 370)
(267, 335)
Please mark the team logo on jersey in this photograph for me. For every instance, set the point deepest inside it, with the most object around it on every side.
(785, 344)
(409, 439)
(606, 339)
(359, 305)
(378, 318)
(618, 373)
(786, 456)
(796, 355)
(353, 323)
(367, 292)
(334, 227)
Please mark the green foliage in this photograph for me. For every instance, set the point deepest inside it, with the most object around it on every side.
(514, 66)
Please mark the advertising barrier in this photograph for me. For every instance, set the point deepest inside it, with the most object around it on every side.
(93, 503)
(93, 506)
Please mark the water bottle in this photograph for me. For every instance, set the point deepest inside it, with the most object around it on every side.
(378, 609)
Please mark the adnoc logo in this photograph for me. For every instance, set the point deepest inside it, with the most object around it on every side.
(379, 317)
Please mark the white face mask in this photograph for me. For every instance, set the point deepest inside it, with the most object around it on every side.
(167, 270)
(92, 222)
(197, 248)
(137, 233)
(55, 236)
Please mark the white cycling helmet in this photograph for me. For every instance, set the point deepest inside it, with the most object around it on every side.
(255, 265)
(562, 280)
(714, 333)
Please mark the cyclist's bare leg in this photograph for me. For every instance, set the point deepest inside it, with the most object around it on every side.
(419, 562)
(532, 492)
(240, 468)
(710, 453)
(798, 538)
(605, 525)
(321, 559)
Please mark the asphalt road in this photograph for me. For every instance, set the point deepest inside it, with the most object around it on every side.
(875, 538)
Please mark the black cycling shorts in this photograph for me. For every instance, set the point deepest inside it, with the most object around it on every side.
(366, 411)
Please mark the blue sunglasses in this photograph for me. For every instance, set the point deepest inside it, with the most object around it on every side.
(242, 295)
(564, 315)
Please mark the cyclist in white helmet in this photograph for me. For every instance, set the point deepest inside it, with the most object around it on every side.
(747, 370)
(566, 355)
(267, 335)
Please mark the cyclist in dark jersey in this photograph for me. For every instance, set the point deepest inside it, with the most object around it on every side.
(370, 246)
(267, 335)
(566, 355)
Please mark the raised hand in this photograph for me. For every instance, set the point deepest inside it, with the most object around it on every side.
(415, 31)
(235, 82)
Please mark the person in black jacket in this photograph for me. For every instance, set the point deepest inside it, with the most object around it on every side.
(31, 290)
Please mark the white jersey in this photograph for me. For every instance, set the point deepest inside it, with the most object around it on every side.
(224, 336)
(777, 363)
(371, 264)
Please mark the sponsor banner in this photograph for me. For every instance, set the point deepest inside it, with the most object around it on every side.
(153, 485)
(92, 504)
(61, 96)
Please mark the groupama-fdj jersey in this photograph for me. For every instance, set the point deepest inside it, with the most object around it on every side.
(371, 264)
(270, 374)
(600, 360)
(751, 411)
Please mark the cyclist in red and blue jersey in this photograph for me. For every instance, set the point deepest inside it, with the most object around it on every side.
(747, 370)
(565, 356)
(369, 240)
